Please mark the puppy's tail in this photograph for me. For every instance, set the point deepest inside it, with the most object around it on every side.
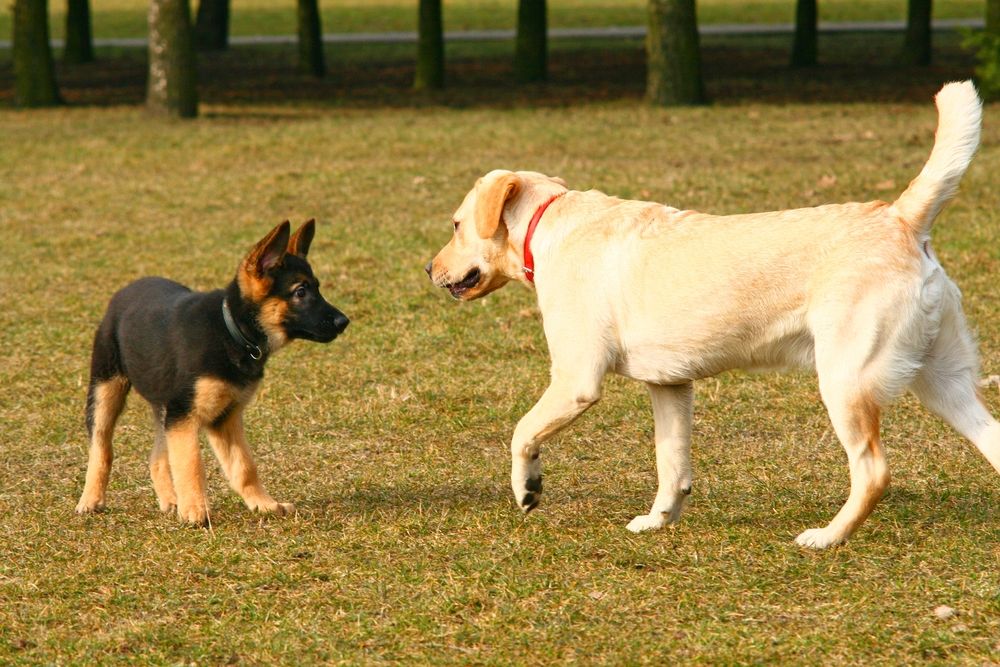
(955, 142)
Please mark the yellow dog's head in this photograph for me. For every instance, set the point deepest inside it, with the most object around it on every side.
(486, 249)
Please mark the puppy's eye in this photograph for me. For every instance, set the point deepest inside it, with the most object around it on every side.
(300, 292)
(456, 223)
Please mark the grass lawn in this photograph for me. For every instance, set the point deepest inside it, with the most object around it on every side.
(127, 18)
(393, 441)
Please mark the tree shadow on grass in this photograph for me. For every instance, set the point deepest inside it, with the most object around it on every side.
(737, 70)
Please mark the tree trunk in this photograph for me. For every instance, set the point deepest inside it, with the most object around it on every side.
(430, 46)
(79, 39)
(311, 39)
(672, 54)
(987, 73)
(804, 44)
(172, 87)
(211, 27)
(530, 56)
(34, 69)
(917, 44)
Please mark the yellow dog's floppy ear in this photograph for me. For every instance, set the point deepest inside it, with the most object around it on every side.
(489, 208)
(299, 243)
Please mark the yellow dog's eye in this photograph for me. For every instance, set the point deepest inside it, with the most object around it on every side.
(456, 223)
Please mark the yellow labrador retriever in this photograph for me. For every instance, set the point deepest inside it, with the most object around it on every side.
(667, 297)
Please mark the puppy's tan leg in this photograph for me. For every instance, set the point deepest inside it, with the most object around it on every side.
(566, 398)
(105, 401)
(856, 421)
(187, 471)
(672, 412)
(229, 443)
(159, 466)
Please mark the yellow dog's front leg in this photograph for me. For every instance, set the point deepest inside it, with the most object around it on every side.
(565, 399)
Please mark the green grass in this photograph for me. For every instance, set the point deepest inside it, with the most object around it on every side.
(127, 18)
(392, 441)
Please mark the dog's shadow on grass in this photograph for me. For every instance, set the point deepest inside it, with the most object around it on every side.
(967, 507)
(910, 507)
(404, 498)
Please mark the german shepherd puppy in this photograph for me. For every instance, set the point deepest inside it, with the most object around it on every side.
(198, 358)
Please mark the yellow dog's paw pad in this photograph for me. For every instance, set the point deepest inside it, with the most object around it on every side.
(819, 538)
(645, 522)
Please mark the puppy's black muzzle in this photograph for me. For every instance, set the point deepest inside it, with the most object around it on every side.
(322, 323)
(335, 323)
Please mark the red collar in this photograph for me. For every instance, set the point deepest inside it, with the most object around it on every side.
(529, 259)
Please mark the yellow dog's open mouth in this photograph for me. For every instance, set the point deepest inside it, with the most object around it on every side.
(470, 280)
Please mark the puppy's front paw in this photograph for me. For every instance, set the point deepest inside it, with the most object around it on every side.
(283, 509)
(167, 506)
(195, 514)
(88, 505)
(820, 538)
(645, 522)
(268, 505)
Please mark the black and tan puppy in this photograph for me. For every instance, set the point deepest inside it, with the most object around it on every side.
(198, 358)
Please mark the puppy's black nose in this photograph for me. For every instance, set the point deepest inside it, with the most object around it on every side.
(340, 323)
(429, 267)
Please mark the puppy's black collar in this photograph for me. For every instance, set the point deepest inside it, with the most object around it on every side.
(252, 348)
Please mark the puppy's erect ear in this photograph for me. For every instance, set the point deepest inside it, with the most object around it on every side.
(299, 243)
(269, 251)
(489, 208)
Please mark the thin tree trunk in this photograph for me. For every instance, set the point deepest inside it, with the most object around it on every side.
(172, 87)
(211, 26)
(531, 53)
(804, 44)
(34, 69)
(311, 38)
(987, 73)
(672, 54)
(79, 39)
(430, 46)
(917, 43)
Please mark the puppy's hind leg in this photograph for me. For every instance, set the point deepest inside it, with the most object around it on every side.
(105, 401)
(159, 466)
(672, 412)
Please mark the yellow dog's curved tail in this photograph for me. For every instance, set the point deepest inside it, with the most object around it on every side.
(956, 140)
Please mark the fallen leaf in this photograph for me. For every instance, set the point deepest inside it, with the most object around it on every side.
(944, 612)
(826, 181)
